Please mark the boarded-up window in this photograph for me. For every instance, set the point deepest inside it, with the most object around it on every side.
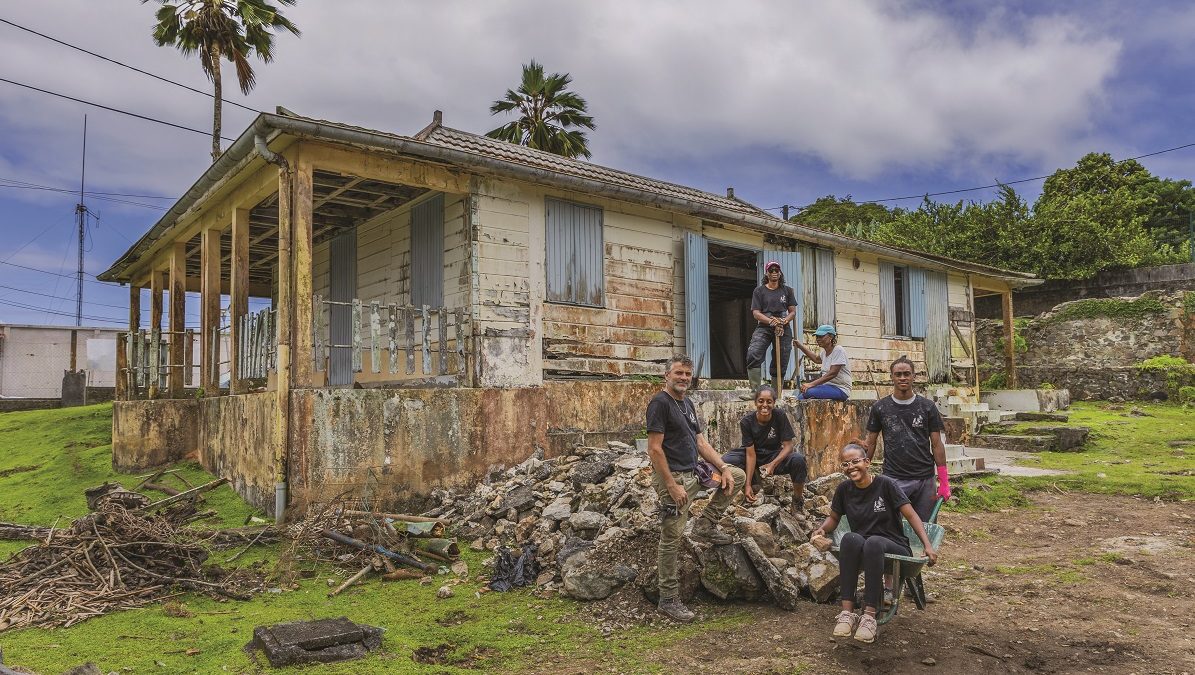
(575, 253)
(427, 253)
(902, 300)
(817, 279)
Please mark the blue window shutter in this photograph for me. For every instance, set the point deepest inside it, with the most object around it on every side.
(826, 296)
(697, 301)
(916, 302)
(937, 327)
(575, 253)
(887, 299)
(790, 264)
(427, 253)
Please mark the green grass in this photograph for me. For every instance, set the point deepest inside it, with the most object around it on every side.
(70, 450)
(1124, 455)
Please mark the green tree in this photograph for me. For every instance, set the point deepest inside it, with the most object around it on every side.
(549, 116)
(214, 29)
(1092, 217)
(844, 216)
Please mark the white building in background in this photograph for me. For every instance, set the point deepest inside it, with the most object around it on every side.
(33, 358)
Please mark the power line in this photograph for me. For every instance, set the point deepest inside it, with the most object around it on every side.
(57, 274)
(55, 297)
(20, 305)
(111, 109)
(89, 193)
(125, 65)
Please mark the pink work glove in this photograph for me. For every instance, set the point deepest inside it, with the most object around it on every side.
(943, 483)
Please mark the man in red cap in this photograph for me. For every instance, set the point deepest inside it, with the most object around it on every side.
(774, 305)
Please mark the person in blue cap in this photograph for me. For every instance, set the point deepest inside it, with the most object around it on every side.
(773, 306)
(835, 380)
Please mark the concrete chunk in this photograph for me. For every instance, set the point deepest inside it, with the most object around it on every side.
(321, 641)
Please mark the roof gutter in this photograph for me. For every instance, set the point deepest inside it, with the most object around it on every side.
(408, 146)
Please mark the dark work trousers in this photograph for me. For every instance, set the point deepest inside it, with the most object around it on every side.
(761, 339)
(793, 466)
(857, 551)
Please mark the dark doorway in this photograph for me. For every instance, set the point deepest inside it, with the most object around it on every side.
(733, 276)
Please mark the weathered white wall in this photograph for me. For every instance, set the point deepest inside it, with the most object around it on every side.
(32, 359)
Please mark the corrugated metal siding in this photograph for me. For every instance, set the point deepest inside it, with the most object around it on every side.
(790, 262)
(342, 269)
(915, 302)
(697, 300)
(825, 289)
(427, 253)
(887, 299)
(937, 328)
(575, 253)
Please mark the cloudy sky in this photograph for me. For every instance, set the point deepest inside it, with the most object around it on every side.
(784, 101)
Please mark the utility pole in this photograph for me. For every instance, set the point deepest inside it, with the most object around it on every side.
(785, 211)
(81, 221)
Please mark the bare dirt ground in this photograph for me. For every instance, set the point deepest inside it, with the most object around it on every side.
(1074, 583)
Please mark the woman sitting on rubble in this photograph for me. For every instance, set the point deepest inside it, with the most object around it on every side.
(836, 380)
(873, 506)
(768, 446)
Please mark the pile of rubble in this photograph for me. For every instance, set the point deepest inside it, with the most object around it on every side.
(593, 518)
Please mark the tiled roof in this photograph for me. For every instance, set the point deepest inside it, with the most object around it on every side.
(509, 152)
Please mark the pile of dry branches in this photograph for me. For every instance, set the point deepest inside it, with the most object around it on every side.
(116, 557)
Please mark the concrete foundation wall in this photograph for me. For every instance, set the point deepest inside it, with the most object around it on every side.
(238, 436)
(151, 433)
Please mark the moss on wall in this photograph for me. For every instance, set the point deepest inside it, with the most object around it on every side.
(1111, 308)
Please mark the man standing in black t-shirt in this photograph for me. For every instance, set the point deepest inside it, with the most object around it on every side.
(913, 447)
(675, 438)
(773, 306)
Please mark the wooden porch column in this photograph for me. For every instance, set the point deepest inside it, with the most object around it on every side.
(209, 313)
(1010, 348)
(178, 315)
(130, 378)
(156, 281)
(238, 301)
(301, 218)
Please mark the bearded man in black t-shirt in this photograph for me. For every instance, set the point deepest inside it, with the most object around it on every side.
(675, 441)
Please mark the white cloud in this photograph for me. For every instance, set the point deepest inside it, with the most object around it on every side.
(854, 85)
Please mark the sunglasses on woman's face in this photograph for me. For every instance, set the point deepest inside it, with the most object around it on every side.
(852, 462)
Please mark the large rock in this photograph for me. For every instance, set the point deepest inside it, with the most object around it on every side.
(585, 580)
(560, 508)
(727, 573)
(783, 592)
(593, 469)
(587, 524)
(760, 532)
(517, 499)
(817, 571)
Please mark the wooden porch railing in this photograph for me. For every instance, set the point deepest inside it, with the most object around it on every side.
(143, 362)
(257, 353)
(395, 336)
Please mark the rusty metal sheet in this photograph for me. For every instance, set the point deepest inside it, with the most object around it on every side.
(356, 329)
(442, 339)
(427, 347)
(392, 332)
(410, 338)
(375, 337)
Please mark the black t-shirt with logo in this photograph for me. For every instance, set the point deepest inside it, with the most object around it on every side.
(773, 302)
(766, 438)
(874, 510)
(906, 428)
(680, 424)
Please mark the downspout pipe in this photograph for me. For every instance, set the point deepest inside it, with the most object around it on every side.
(282, 452)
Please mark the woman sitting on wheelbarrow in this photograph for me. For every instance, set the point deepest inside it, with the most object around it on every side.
(873, 505)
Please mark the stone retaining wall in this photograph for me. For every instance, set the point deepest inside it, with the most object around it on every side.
(1092, 349)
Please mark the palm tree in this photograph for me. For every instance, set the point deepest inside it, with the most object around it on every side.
(546, 110)
(215, 29)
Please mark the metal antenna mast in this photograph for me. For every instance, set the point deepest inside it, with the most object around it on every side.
(81, 219)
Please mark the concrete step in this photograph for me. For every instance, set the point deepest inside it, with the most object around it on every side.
(1065, 438)
(964, 465)
(1015, 442)
(1041, 417)
(955, 451)
(996, 416)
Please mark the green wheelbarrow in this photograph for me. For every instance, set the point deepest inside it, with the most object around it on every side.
(905, 569)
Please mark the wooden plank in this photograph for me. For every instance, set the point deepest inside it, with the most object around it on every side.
(238, 301)
(460, 341)
(189, 358)
(427, 347)
(442, 338)
(392, 332)
(209, 308)
(410, 339)
(301, 219)
(320, 329)
(356, 335)
(157, 281)
(122, 367)
(375, 337)
(178, 316)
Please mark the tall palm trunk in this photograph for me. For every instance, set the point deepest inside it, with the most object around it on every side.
(217, 99)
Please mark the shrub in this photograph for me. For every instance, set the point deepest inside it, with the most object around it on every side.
(1179, 373)
(1110, 308)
